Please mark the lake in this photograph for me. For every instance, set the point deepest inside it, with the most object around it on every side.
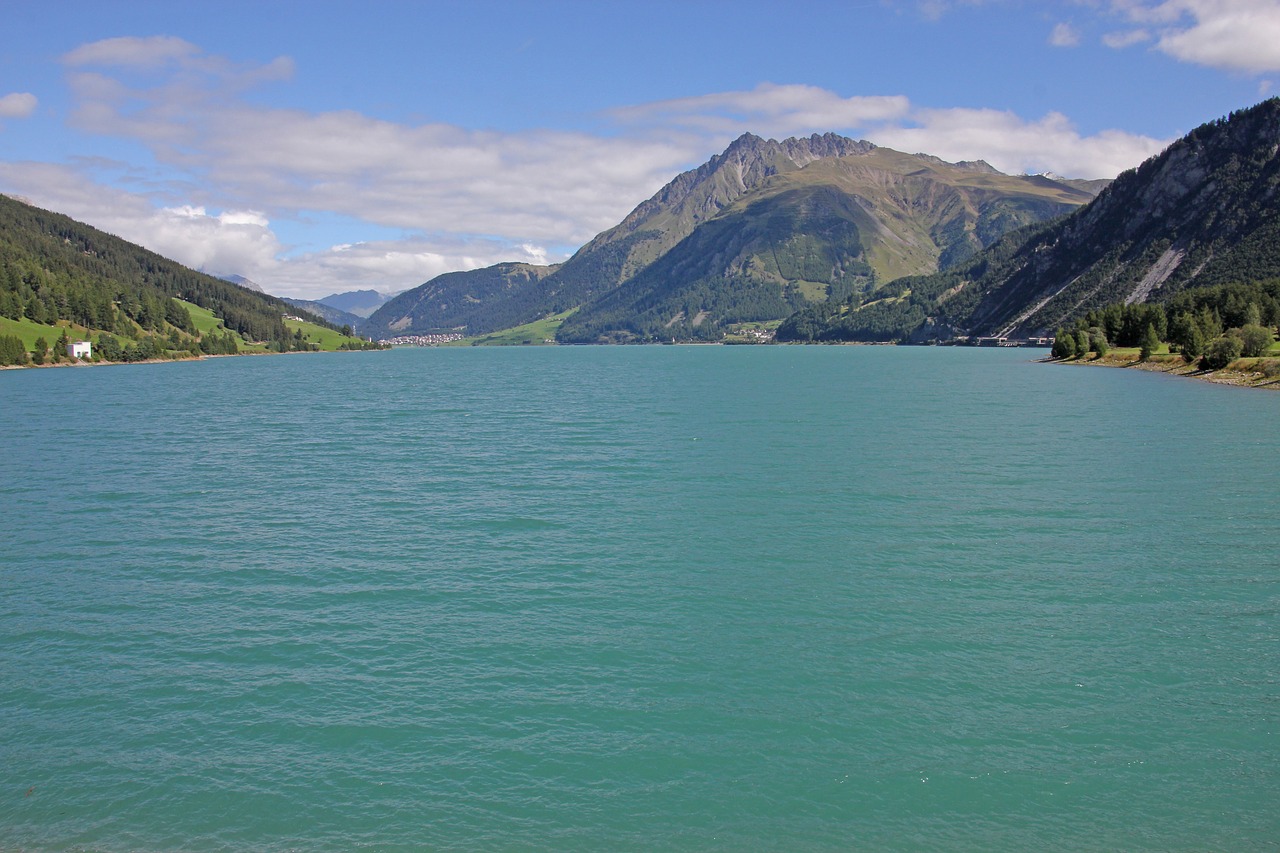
(687, 598)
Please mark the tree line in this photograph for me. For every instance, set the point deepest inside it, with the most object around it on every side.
(1213, 326)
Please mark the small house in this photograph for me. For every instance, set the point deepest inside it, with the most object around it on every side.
(80, 349)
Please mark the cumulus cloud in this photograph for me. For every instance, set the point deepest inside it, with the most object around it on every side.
(393, 265)
(1015, 145)
(1064, 35)
(1235, 35)
(18, 105)
(543, 185)
(243, 241)
(229, 241)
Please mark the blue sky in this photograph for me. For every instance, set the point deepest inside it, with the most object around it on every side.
(323, 146)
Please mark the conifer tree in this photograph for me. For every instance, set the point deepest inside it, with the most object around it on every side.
(1149, 343)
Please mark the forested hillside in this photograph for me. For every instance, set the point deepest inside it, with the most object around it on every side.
(65, 277)
(479, 301)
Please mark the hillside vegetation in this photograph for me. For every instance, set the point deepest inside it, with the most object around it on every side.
(1228, 327)
(62, 280)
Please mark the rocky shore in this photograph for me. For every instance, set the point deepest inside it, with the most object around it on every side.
(1245, 372)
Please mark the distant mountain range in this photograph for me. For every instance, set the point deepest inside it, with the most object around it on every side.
(755, 233)
(1206, 211)
(329, 313)
(826, 238)
(331, 307)
(361, 303)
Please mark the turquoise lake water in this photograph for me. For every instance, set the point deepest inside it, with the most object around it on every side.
(680, 598)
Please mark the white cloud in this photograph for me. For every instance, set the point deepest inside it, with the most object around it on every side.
(159, 52)
(133, 52)
(1064, 35)
(770, 109)
(390, 266)
(544, 185)
(243, 242)
(1015, 145)
(18, 105)
(1007, 141)
(227, 242)
(1125, 38)
(1235, 35)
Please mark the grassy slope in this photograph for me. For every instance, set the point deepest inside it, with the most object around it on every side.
(206, 322)
(537, 333)
(328, 339)
(29, 331)
(203, 318)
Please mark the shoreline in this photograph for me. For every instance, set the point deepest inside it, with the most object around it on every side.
(79, 363)
(1168, 364)
(1173, 365)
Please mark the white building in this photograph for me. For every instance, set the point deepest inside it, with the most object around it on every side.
(80, 349)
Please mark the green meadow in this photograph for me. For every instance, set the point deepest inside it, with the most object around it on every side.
(29, 331)
(326, 340)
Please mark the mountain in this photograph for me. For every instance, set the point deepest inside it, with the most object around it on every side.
(362, 303)
(58, 275)
(478, 301)
(755, 232)
(824, 231)
(327, 313)
(247, 284)
(1205, 211)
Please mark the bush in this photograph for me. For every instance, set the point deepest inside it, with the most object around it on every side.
(1064, 345)
(1255, 340)
(1270, 368)
(1221, 352)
